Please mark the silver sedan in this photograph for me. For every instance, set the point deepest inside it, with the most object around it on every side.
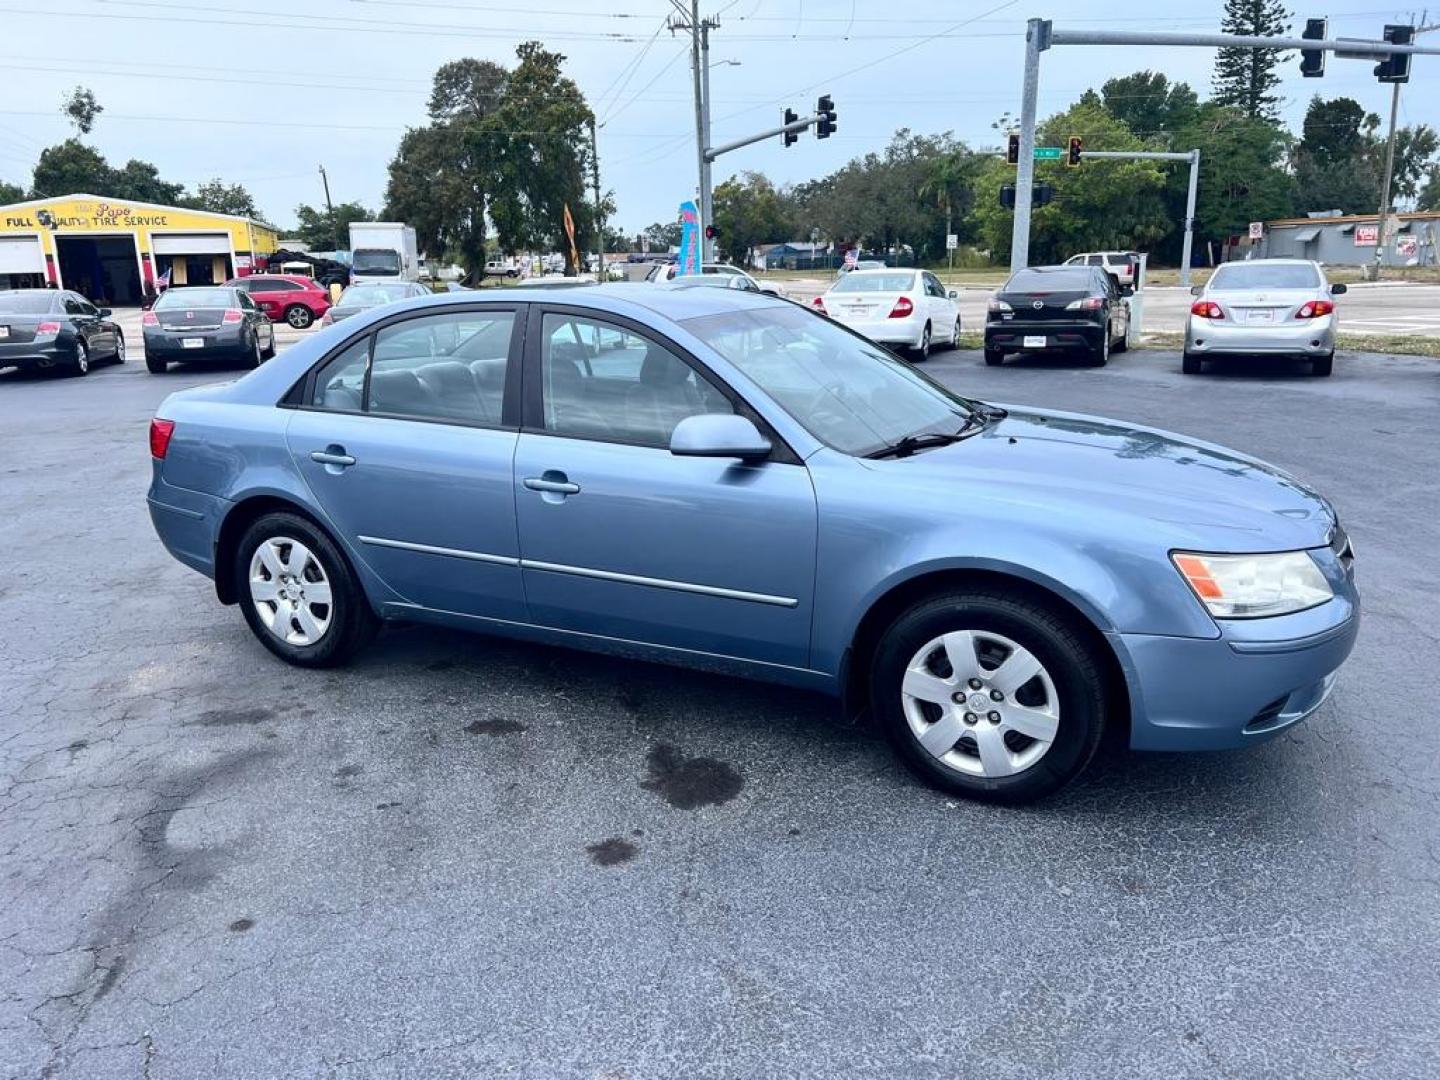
(1264, 306)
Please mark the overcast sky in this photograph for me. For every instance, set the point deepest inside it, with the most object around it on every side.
(262, 91)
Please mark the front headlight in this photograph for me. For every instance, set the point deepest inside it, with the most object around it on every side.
(1254, 586)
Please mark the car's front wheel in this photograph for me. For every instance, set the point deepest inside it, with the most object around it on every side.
(1100, 355)
(989, 696)
(298, 593)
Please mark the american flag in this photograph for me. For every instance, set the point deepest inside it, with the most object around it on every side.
(163, 281)
(852, 257)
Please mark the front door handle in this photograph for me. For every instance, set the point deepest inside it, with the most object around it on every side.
(549, 483)
(332, 455)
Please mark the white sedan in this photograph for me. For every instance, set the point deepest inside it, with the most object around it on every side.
(908, 308)
(666, 272)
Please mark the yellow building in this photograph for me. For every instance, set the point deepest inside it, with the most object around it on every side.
(113, 251)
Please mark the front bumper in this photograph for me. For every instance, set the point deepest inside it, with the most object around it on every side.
(1294, 337)
(1009, 335)
(228, 341)
(1240, 688)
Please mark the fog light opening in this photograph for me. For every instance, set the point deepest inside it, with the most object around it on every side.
(1199, 341)
(1315, 344)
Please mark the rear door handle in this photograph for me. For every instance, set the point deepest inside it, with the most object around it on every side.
(559, 487)
(332, 455)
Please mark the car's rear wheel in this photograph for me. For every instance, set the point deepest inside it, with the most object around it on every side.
(1323, 365)
(299, 595)
(921, 352)
(81, 364)
(994, 357)
(954, 342)
(988, 696)
(299, 316)
(1190, 364)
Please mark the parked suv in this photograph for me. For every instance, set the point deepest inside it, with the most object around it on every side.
(1120, 265)
(290, 298)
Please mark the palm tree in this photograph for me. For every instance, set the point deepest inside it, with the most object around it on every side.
(946, 176)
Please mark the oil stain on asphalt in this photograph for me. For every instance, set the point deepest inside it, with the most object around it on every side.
(234, 717)
(612, 852)
(690, 783)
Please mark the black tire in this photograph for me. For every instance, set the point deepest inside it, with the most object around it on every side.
(1322, 366)
(268, 353)
(994, 357)
(80, 366)
(1067, 657)
(1100, 355)
(352, 622)
(953, 341)
(119, 348)
(252, 357)
(299, 316)
(921, 352)
(1190, 364)
(155, 365)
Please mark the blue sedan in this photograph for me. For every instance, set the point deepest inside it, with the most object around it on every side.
(725, 480)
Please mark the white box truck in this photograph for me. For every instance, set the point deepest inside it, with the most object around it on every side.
(383, 251)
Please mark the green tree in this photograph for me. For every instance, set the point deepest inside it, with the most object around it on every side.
(221, 198)
(662, 235)
(1247, 79)
(1242, 171)
(1429, 197)
(1415, 149)
(748, 212)
(948, 180)
(11, 193)
(321, 231)
(70, 167)
(82, 109)
(140, 180)
(1149, 104)
(1335, 162)
(1101, 205)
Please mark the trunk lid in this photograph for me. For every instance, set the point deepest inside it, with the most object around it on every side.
(1260, 307)
(1046, 306)
(18, 329)
(196, 318)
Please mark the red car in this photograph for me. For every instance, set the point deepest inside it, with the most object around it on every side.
(290, 298)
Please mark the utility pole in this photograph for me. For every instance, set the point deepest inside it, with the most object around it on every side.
(334, 224)
(699, 30)
(1383, 224)
(599, 216)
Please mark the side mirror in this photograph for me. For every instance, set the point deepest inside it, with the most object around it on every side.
(953, 294)
(105, 312)
(1339, 290)
(718, 435)
(1195, 290)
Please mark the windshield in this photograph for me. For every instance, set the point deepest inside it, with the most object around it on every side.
(380, 261)
(876, 283)
(370, 295)
(204, 298)
(1051, 280)
(849, 393)
(1259, 275)
(26, 303)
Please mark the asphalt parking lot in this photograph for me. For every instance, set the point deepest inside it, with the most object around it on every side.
(470, 858)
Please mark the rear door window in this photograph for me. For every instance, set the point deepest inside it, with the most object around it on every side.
(449, 366)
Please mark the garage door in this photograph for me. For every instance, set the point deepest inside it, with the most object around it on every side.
(21, 255)
(191, 244)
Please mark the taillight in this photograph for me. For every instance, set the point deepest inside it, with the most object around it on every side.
(47, 328)
(149, 319)
(1088, 303)
(1207, 309)
(1000, 305)
(234, 315)
(1313, 309)
(819, 304)
(903, 308)
(326, 320)
(160, 432)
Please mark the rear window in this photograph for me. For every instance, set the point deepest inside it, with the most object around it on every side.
(26, 303)
(1051, 280)
(370, 295)
(208, 298)
(1259, 275)
(876, 283)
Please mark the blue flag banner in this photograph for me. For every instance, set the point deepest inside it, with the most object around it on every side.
(689, 240)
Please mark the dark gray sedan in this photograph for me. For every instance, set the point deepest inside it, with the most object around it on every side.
(358, 298)
(56, 329)
(206, 323)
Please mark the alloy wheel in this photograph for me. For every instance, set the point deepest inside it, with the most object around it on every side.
(82, 359)
(299, 317)
(980, 703)
(119, 350)
(290, 591)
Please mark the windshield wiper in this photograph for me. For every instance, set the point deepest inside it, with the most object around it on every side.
(923, 441)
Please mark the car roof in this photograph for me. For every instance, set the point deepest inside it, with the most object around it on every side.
(1271, 262)
(861, 271)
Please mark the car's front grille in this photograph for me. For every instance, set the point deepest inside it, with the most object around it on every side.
(1266, 716)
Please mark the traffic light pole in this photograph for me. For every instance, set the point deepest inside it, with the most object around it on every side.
(1193, 157)
(707, 192)
(1382, 226)
(1040, 36)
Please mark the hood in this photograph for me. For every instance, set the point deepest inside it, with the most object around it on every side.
(1190, 493)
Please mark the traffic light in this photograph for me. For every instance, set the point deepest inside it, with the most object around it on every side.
(1007, 196)
(825, 109)
(1077, 144)
(1396, 66)
(1312, 61)
(711, 232)
(790, 136)
(1012, 155)
(1041, 194)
